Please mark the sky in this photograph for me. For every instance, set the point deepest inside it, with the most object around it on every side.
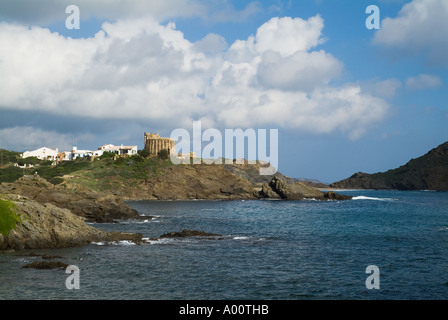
(344, 98)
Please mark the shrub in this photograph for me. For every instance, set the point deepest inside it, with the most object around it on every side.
(163, 154)
(144, 153)
(29, 160)
(137, 158)
(107, 155)
(8, 217)
(10, 174)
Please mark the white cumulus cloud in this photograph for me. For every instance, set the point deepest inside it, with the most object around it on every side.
(420, 27)
(27, 138)
(142, 70)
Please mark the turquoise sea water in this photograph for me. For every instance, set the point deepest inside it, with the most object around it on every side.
(269, 250)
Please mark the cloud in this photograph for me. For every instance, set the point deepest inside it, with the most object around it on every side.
(420, 27)
(142, 71)
(212, 43)
(423, 82)
(48, 11)
(223, 11)
(382, 88)
(289, 35)
(28, 138)
(45, 12)
(300, 71)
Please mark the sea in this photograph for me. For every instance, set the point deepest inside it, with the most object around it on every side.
(381, 245)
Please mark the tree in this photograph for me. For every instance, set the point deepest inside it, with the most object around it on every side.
(163, 154)
(144, 153)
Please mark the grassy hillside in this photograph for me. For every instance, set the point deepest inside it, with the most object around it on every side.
(7, 156)
(101, 174)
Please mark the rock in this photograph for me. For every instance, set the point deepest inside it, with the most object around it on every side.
(278, 188)
(45, 226)
(46, 265)
(189, 233)
(113, 236)
(202, 181)
(331, 195)
(267, 192)
(94, 206)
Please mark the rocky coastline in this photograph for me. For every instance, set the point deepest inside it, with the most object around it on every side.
(428, 172)
(43, 226)
(56, 216)
(96, 207)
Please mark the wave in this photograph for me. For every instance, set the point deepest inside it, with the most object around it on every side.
(113, 243)
(241, 238)
(310, 199)
(373, 198)
(159, 241)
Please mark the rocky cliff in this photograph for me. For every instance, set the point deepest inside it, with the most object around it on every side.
(39, 226)
(428, 172)
(206, 182)
(94, 206)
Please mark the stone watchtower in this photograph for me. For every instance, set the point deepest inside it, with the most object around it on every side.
(154, 143)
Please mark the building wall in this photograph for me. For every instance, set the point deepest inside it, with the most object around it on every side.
(154, 143)
(42, 154)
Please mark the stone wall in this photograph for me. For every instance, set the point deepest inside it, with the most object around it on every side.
(154, 143)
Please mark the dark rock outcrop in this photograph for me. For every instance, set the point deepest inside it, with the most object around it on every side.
(278, 188)
(44, 226)
(428, 172)
(94, 206)
(331, 195)
(46, 265)
(189, 233)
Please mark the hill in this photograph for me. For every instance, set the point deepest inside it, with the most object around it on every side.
(154, 178)
(428, 172)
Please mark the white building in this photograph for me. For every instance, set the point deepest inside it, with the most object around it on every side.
(75, 153)
(96, 153)
(43, 153)
(120, 150)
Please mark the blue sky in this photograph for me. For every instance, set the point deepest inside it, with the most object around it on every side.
(344, 98)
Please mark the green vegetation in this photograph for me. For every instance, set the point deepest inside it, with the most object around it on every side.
(8, 217)
(107, 155)
(8, 157)
(144, 153)
(163, 154)
(10, 174)
(31, 160)
(54, 174)
(104, 173)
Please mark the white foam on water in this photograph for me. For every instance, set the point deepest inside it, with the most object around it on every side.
(240, 238)
(101, 243)
(373, 198)
(114, 243)
(159, 241)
